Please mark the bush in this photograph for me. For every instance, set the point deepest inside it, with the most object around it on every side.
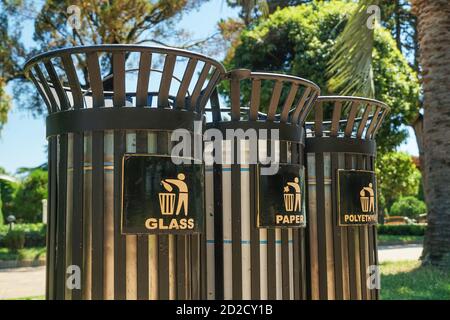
(410, 207)
(14, 240)
(8, 191)
(397, 176)
(27, 205)
(35, 234)
(1, 212)
(402, 230)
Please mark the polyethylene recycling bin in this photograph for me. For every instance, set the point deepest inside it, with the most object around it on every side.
(124, 221)
(342, 203)
(255, 218)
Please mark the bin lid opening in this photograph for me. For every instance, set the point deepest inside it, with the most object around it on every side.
(345, 117)
(263, 97)
(124, 76)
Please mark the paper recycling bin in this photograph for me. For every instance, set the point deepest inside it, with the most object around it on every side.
(255, 219)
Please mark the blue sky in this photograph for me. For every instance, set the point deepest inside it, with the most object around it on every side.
(22, 140)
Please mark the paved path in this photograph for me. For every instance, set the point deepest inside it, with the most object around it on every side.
(401, 252)
(22, 282)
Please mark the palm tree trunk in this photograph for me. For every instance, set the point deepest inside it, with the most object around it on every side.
(434, 42)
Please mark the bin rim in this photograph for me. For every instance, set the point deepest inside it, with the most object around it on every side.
(365, 113)
(242, 74)
(61, 93)
(120, 47)
(291, 111)
(336, 98)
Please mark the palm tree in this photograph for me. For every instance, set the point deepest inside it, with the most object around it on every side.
(353, 57)
(434, 43)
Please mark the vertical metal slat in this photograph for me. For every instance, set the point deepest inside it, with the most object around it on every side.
(321, 228)
(184, 86)
(62, 97)
(95, 79)
(236, 227)
(163, 239)
(98, 222)
(198, 87)
(276, 93)
(255, 99)
(145, 64)
(288, 103)
(142, 240)
(74, 83)
(77, 218)
(119, 239)
(166, 79)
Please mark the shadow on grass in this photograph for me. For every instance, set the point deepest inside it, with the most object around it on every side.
(408, 280)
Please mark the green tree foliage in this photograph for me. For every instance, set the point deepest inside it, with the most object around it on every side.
(4, 102)
(396, 16)
(8, 188)
(410, 207)
(135, 21)
(11, 54)
(299, 40)
(397, 177)
(28, 200)
(8, 191)
(1, 211)
(251, 10)
(100, 22)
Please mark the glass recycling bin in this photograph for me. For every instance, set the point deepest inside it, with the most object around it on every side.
(124, 221)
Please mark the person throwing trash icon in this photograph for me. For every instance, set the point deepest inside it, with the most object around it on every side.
(370, 192)
(183, 199)
(297, 199)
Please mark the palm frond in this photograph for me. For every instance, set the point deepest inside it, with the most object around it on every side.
(350, 69)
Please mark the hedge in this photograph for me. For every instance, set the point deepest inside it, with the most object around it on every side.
(35, 234)
(402, 230)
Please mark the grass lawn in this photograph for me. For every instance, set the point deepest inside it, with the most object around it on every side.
(23, 254)
(389, 239)
(407, 280)
(31, 298)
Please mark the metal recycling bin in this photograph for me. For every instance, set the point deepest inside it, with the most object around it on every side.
(111, 111)
(341, 187)
(250, 254)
